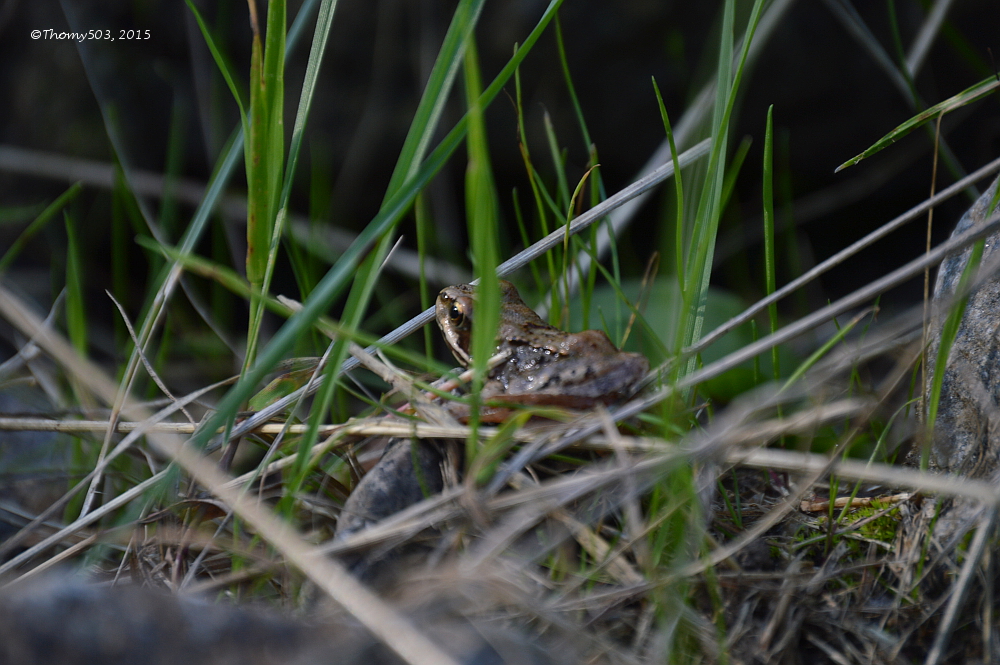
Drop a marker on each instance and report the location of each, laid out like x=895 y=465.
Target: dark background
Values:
x=831 y=101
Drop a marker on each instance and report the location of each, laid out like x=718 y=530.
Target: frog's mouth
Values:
x=463 y=358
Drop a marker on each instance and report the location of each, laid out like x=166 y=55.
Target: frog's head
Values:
x=453 y=312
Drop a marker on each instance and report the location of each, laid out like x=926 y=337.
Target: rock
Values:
x=64 y=620
x=967 y=431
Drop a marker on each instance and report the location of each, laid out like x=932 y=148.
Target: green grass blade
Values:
x=481 y=206
x=435 y=93
x=702 y=236
x=321 y=35
x=76 y=319
x=574 y=100
x=324 y=22
x=733 y=171
x=969 y=95
x=578 y=245
x=231 y=154
x=425 y=233
x=770 y=279
x=536 y=187
x=38 y=224
x=13 y=215
x=169 y=205
x=679 y=191
x=264 y=157
x=558 y=163
x=710 y=204
x=220 y=61
x=822 y=351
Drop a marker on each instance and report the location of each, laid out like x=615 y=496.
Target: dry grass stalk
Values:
x=574 y=539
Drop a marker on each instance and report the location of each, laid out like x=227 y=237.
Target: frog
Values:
x=544 y=365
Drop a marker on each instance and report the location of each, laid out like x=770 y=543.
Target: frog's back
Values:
x=569 y=369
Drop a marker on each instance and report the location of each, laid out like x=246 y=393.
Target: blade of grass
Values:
x=896 y=73
x=823 y=350
x=770 y=280
x=702 y=233
x=733 y=170
x=678 y=189
x=481 y=210
x=12 y=215
x=220 y=62
x=324 y=22
x=968 y=96
x=562 y=318
x=425 y=234
x=38 y=224
x=263 y=156
x=558 y=163
x=76 y=319
x=536 y=186
x=172 y=169
x=710 y=206
x=571 y=89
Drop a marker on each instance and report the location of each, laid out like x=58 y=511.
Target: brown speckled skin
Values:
x=547 y=366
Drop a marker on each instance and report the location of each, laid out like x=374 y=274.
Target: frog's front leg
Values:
x=408 y=472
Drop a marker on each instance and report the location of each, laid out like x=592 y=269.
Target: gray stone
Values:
x=967 y=431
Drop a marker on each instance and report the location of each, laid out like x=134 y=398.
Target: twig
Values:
x=30 y=349
x=858 y=502
x=972 y=560
x=369 y=427
x=85 y=521
x=95 y=482
x=383 y=621
x=122 y=446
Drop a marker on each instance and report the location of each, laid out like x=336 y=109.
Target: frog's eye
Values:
x=460 y=314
